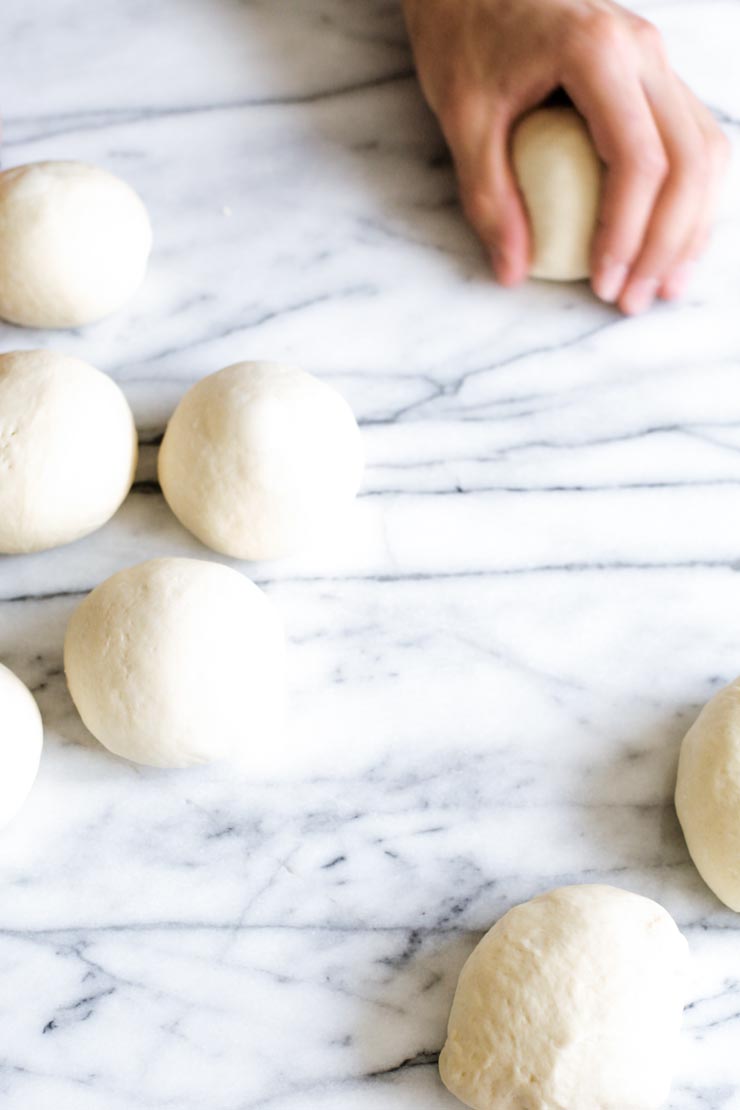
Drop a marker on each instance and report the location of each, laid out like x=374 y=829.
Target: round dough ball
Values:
x=260 y=459
x=572 y=1001
x=21 y=737
x=68 y=450
x=708 y=793
x=74 y=244
x=559 y=174
x=175 y=662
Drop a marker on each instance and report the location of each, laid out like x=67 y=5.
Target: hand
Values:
x=483 y=63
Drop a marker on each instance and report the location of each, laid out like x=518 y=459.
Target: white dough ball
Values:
x=175 y=662
x=708 y=793
x=21 y=737
x=68 y=450
x=259 y=460
x=74 y=244
x=559 y=174
x=572 y=1001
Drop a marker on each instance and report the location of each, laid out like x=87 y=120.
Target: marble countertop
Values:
x=493 y=666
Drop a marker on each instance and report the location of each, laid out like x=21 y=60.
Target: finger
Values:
x=676 y=218
x=604 y=84
x=717 y=148
x=490 y=196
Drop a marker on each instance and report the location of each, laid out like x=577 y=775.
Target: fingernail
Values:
x=676 y=284
x=639 y=296
x=609 y=280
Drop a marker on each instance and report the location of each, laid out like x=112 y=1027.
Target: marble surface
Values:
x=491 y=668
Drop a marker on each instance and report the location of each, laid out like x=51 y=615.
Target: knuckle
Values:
x=454 y=113
x=693 y=162
x=450 y=112
x=599 y=31
x=649 y=163
x=691 y=178
x=720 y=148
x=648 y=35
x=479 y=206
x=458 y=104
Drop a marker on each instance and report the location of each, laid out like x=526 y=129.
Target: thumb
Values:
x=490 y=196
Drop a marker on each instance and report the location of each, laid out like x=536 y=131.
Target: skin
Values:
x=483 y=63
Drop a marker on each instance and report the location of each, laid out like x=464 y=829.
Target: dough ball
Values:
x=67 y=450
x=21 y=735
x=572 y=1001
x=175 y=662
x=260 y=459
x=708 y=793
x=559 y=174
x=74 y=244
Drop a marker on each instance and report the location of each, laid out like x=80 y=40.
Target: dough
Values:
x=175 y=662
x=21 y=735
x=67 y=450
x=74 y=244
x=559 y=174
x=708 y=793
x=260 y=459
x=572 y=1001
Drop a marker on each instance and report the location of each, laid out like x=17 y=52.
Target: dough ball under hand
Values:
x=259 y=460
x=708 y=793
x=68 y=450
x=572 y=1001
x=74 y=244
x=559 y=175
x=21 y=738
x=175 y=662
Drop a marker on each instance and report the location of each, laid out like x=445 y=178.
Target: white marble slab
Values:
x=493 y=665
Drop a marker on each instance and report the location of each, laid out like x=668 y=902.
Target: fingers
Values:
x=478 y=138
x=664 y=157
x=676 y=215
x=715 y=157
x=604 y=84
x=681 y=206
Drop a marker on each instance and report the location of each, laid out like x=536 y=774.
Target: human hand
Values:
x=483 y=63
